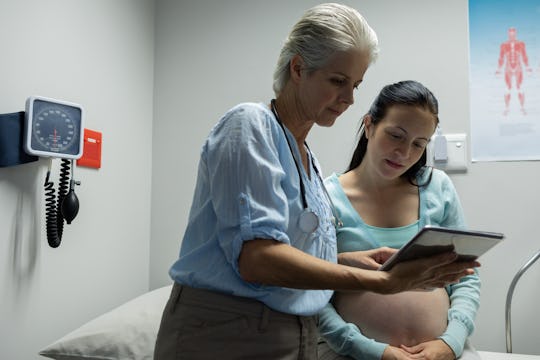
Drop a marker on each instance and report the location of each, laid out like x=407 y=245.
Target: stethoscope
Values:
x=308 y=221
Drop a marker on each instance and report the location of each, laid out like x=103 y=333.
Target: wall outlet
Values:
x=456 y=151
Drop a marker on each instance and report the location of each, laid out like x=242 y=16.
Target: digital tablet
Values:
x=432 y=240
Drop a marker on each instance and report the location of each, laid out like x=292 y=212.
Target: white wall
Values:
x=212 y=54
x=97 y=53
x=209 y=55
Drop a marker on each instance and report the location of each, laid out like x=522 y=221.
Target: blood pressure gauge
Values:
x=54 y=128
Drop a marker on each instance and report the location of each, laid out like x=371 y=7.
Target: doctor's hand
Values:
x=368 y=259
x=427 y=273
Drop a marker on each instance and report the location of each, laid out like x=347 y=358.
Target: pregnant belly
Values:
x=406 y=318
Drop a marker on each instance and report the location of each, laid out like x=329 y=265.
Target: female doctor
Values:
x=258 y=257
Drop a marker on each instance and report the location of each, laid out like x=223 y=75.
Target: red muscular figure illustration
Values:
x=512 y=55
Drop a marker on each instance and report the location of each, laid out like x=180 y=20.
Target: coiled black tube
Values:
x=54 y=217
x=50 y=213
x=63 y=187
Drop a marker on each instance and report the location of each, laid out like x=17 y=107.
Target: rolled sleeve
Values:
x=246 y=175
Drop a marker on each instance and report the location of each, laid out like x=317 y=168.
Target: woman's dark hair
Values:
x=407 y=92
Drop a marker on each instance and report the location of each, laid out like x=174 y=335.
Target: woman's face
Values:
x=326 y=93
x=397 y=142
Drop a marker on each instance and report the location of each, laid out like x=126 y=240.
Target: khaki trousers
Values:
x=205 y=325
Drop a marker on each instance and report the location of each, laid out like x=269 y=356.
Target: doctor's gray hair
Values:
x=324 y=30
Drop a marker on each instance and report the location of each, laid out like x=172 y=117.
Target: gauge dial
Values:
x=54 y=128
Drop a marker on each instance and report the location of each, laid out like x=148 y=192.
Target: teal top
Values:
x=391 y=237
x=439 y=206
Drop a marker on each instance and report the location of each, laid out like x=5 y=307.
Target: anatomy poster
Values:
x=504 y=39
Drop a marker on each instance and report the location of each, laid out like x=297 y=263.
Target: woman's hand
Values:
x=368 y=259
x=431 y=350
x=395 y=353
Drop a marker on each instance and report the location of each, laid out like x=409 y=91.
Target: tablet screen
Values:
x=432 y=240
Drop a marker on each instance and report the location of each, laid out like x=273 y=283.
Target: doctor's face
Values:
x=327 y=92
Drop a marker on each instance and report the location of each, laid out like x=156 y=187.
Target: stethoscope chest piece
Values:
x=308 y=221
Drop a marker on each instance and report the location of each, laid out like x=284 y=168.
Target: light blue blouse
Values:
x=439 y=206
x=248 y=187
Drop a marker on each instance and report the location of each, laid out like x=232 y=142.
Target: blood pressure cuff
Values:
x=11 y=140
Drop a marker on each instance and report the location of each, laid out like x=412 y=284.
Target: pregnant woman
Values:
x=384 y=198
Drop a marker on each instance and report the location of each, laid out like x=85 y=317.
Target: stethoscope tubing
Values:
x=308 y=221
